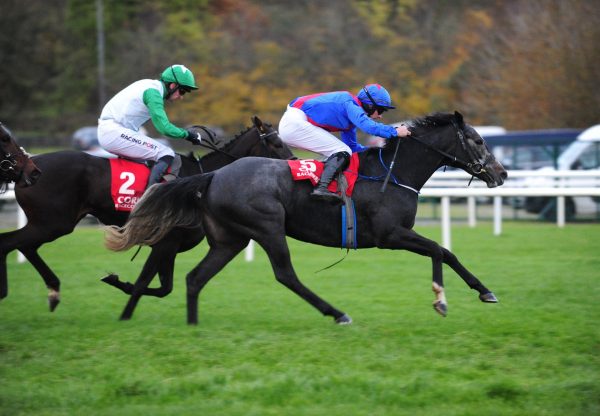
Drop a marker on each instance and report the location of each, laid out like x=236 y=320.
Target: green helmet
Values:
x=180 y=75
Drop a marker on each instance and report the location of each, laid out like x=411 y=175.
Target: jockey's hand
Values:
x=203 y=133
x=193 y=137
x=402 y=131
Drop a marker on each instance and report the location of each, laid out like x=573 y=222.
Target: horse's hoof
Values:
x=488 y=298
x=53 y=303
x=111 y=279
x=53 y=299
x=344 y=320
x=440 y=308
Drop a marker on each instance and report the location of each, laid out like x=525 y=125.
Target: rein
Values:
x=476 y=167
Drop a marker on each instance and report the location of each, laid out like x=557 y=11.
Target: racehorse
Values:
x=256 y=198
x=15 y=164
x=75 y=184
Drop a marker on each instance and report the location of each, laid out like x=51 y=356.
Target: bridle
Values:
x=475 y=167
x=8 y=162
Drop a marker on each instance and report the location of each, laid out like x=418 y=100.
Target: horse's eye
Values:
x=478 y=142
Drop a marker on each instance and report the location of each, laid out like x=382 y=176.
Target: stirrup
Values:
x=325 y=195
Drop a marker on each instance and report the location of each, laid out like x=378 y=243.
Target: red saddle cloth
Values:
x=312 y=169
x=128 y=182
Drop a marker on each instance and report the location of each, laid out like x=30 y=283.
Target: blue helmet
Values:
x=375 y=95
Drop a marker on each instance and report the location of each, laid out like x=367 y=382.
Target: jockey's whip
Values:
x=389 y=172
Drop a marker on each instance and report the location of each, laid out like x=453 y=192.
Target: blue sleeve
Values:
x=349 y=138
x=360 y=119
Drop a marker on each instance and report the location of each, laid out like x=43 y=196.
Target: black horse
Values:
x=257 y=199
x=75 y=184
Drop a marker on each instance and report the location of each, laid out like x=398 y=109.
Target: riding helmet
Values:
x=375 y=92
x=180 y=75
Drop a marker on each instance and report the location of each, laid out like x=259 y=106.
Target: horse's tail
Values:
x=162 y=208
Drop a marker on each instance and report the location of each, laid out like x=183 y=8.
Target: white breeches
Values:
x=296 y=131
x=129 y=143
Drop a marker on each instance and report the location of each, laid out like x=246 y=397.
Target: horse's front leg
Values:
x=407 y=239
x=485 y=295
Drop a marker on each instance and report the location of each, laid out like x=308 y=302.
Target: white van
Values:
x=583 y=153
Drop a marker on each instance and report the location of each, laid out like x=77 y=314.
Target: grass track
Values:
x=260 y=350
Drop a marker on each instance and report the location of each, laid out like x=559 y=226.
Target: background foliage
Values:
x=515 y=63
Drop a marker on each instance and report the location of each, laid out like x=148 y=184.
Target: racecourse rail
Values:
x=445 y=185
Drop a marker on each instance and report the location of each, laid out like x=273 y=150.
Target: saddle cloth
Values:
x=129 y=180
x=311 y=169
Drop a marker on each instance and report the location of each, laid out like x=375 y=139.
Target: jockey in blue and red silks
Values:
x=309 y=122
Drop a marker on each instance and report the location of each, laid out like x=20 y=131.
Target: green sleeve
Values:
x=156 y=106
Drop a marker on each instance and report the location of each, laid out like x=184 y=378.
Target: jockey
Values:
x=121 y=119
x=309 y=121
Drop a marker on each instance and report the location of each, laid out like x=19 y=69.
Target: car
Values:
x=85 y=139
x=582 y=154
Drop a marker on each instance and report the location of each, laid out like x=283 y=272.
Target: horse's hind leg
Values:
x=279 y=255
x=217 y=257
x=166 y=266
x=485 y=295
x=157 y=262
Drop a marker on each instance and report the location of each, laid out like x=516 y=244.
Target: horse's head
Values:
x=261 y=140
x=270 y=141
x=474 y=156
x=15 y=165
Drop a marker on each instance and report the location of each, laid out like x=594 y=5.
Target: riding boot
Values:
x=159 y=168
x=333 y=165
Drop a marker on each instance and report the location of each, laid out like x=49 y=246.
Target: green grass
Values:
x=261 y=350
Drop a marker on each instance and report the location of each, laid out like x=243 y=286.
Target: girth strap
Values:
x=348 y=215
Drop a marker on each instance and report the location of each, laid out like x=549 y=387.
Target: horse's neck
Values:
x=413 y=167
x=214 y=161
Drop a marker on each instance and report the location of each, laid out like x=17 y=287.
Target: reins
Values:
x=476 y=167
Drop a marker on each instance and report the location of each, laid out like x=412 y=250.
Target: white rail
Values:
x=446 y=185
x=454 y=184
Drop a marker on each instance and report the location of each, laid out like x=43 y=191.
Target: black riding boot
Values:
x=159 y=168
x=333 y=165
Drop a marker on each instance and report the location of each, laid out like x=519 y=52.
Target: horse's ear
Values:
x=459 y=118
x=258 y=123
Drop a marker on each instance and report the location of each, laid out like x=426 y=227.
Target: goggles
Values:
x=379 y=108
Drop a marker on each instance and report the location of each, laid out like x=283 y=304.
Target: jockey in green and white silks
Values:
x=121 y=119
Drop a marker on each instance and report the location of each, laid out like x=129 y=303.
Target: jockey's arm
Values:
x=155 y=103
x=361 y=120
x=349 y=138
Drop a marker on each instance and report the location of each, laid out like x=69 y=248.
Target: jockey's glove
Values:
x=193 y=137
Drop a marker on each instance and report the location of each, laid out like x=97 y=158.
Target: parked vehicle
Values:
x=530 y=149
x=86 y=140
x=583 y=153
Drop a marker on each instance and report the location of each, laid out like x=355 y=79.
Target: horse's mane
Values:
x=421 y=125
x=431 y=120
x=228 y=144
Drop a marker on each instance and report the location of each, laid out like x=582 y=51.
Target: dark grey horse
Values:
x=256 y=198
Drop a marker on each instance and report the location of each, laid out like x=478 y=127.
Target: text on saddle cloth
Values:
x=311 y=169
x=128 y=182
